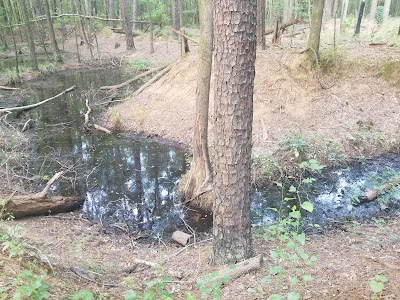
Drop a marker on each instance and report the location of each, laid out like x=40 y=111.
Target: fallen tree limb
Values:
x=39 y=103
x=151 y=81
x=101 y=128
x=145 y=262
x=122 y=31
x=185 y=36
x=236 y=271
x=29 y=205
x=140 y=76
x=377 y=191
x=282 y=26
x=39 y=204
x=7 y=88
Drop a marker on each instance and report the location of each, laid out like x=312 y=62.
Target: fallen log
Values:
x=140 y=76
x=101 y=128
x=185 y=36
x=282 y=26
x=377 y=191
x=28 y=205
x=151 y=81
x=39 y=204
x=7 y=88
x=122 y=31
x=39 y=103
x=236 y=271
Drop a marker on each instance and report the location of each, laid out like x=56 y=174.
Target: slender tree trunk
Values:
x=372 y=12
x=57 y=53
x=176 y=23
x=63 y=28
x=111 y=12
x=199 y=181
x=29 y=33
x=327 y=15
x=235 y=53
x=151 y=28
x=13 y=37
x=345 y=7
x=315 y=29
x=398 y=33
x=386 y=10
x=261 y=24
x=130 y=46
x=135 y=13
x=360 y=15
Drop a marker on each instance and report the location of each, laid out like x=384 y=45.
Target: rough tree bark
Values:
x=235 y=53
x=56 y=50
x=386 y=10
x=360 y=15
x=199 y=182
x=127 y=22
x=315 y=29
x=261 y=24
x=29 y=33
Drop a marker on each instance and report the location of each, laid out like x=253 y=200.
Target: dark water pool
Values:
x=130 y=182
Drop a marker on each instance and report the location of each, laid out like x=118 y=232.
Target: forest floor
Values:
x=349 y=108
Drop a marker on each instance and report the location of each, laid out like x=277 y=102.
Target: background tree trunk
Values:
x=135 y=13
x=176 y=23
x=151 y=28
x=199 y=181
x=315 y=29
x=372 y=12
x=130 y=46
x=345 y=7
x=386 y=10
x=235 y=53
x=261 y=24
x=360 y=15
x=29 y=34
x=52 y=34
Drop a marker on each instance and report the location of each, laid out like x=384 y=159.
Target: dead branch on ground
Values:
x=7 y=88
x=237 y=270
x=140 y=76
x=151 y=81
x=39 y=103
x=282 y=26
x=185 y=36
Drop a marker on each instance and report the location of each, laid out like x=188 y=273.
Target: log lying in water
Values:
x=377 y=191
x=39 y=204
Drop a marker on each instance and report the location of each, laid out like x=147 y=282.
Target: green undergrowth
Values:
x=294 y=148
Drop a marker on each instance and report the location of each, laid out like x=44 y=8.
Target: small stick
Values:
x=44 y=192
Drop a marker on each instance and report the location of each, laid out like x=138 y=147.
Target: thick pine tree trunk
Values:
x=315 y=29
x=199 y=183
x=29 y=33
x=261 y=24
x=235 y=53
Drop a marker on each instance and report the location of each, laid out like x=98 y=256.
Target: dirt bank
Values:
x=351 y=105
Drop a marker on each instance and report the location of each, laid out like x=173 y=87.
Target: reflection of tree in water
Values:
x=127 y=181
x=135 y=185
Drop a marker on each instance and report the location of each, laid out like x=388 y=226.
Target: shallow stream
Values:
x=130 y=182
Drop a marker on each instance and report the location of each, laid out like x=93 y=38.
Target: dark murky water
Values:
x=131 y=181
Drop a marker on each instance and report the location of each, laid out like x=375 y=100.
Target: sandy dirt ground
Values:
x=286 y=101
